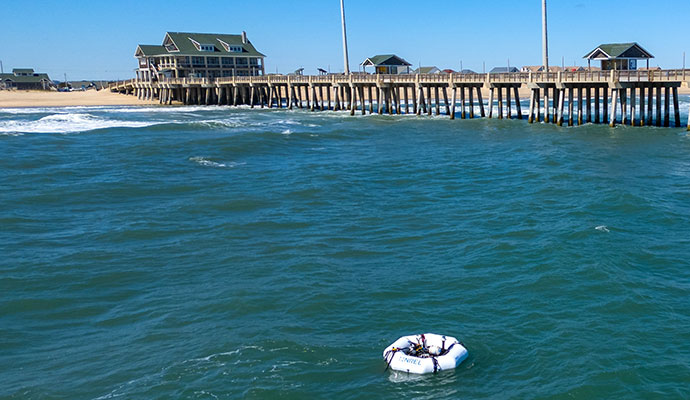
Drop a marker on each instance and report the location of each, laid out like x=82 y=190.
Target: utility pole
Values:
x=347 y=60
x=2 y=70
x=545 y=37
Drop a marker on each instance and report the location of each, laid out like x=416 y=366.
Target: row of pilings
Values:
x=636 y=104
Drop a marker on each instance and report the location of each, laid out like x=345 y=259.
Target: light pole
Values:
x=544 y=37
x=347 y=60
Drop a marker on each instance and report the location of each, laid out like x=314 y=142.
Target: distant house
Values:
x=427 y=70
x=618 y=56
x=203 y=55
x=503 y=70
x=387 y=64
x=649 y=69
x=25 y=79
x=448 y=71
x=467 y=71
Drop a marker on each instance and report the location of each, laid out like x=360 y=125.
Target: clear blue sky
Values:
x=96 y=39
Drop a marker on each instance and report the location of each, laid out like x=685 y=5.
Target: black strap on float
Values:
x=436 y=366
x=443 y=345
x=390 y=360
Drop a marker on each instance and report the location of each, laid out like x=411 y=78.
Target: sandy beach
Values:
x=30 y=98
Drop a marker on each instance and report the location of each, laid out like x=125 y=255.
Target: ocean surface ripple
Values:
x=219 y=253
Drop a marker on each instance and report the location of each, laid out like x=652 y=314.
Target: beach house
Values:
x=387 y=64
x=427 y=70
x=25 y=79
x=200 y=55
x=618 y=56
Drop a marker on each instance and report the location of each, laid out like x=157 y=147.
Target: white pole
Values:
x=347 y=60
x=545 y=37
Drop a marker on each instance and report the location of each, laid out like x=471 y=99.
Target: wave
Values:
x=68 y=123
x=210 y=163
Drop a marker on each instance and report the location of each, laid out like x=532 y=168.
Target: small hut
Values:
x=618 y=56
x=387 y=64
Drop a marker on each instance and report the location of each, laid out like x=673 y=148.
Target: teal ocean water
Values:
x=218 y=253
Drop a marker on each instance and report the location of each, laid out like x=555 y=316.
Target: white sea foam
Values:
x=209 y=163
x=602 y=228
x=68 y=123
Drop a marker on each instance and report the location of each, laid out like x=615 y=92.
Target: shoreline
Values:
x=39 y=98
x=29 y=98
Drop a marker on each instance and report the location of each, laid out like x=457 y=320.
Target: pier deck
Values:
x=429 y=94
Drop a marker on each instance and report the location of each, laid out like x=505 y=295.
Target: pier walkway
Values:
x=641 y=97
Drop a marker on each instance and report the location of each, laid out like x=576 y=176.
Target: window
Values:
x=198 y=61
x=207 y=47
x=227 y=73
x=235 y=49
x=254 y=61
x=241 y=61
x=228 y=61
x=212 y=61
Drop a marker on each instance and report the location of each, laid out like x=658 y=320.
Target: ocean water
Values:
x=219 y=253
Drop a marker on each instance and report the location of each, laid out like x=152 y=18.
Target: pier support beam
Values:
x=438 y=101
x=500 y=103
x=463 y=113
x=547 y=109
x=658 y=106
x=517 y=102
x=530 y=116
x=667 y=106
x=614 y=100
x=642 y=108
x=571 y=119
x=445 y=100
x=580 y=106
x=606 y=105
x=407 y=100
x=491 y=103
x=428 y=100
x=589 y=105
x=632 y=106
x=561 y=97
x=624 y=106
x=480 y=101
x=597 y=106
x=537 y=102
x=509 y=107
x=676 y=110
x=650 y=105
x=452 y=106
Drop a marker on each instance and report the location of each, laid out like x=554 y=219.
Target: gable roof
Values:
x=187 y=43
x=184 y=41
x=503 y=70
x=34 y=78
x=618 y=50
x=23 y=71
x=384 y=59
x=427 y=70
x=147 y=50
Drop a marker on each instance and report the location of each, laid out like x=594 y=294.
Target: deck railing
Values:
x=670 y=75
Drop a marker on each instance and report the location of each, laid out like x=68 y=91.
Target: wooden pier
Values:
x=634 y=98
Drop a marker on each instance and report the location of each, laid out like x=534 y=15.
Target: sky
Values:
x=96 y=39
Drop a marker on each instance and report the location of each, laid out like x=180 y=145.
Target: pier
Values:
x=635 y=98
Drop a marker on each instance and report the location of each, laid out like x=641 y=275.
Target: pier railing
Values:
x=514 y=78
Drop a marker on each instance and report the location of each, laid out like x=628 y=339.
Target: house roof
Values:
x=618 y=50
x=385 y=60
x=427 y=70
x=467 y=71
x=503 y=70
x=187 y=43
x=34 y=78
x=147 y=50
x=23 y=71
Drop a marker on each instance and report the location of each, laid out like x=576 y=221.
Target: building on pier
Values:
x=25 y=79
x=199 y=55
x=387 y=64
x=618 y=56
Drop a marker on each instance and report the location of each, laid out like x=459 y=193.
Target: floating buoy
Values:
x=424 y=354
